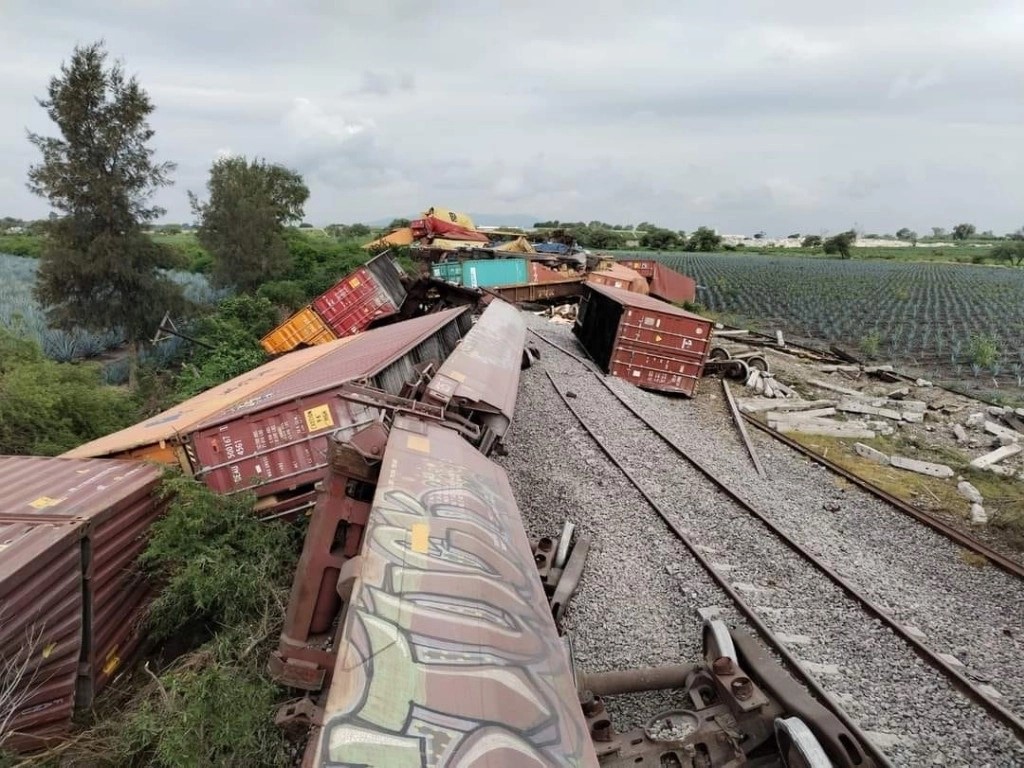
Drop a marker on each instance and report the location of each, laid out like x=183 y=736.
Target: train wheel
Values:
x=798 y=746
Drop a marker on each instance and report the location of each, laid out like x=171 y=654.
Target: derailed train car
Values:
x=434 y=643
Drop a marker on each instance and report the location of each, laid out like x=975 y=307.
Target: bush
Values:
x=47 y=408
x=870 y=344
x=217 y=564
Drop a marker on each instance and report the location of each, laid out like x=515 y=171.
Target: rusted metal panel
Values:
x=617 y=276
x=645 y=267
x=41 y=624
x=369 y=293
x=274 y=442
x=542 y=291
x=481 y=377
x=109 y=506
x=671 y=286
x=448 y=653
x=154 y=438
x=645 y=341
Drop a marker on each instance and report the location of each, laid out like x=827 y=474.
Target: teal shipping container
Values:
x=449 y=271
x=483 y=273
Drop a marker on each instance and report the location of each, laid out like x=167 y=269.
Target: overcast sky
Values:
x=786 y=116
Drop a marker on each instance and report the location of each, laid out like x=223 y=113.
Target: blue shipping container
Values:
x=449 y=271
x=491 y=273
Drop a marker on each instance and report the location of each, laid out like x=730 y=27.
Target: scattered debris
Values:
x=921 y=467
x=960 y=433
x=969 y=492
x=978 y=515
x=989 y=459
x=873 y=454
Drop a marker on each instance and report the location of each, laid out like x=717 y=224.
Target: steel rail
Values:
x=1008 y=564
x=745 y=608
x=959 y=680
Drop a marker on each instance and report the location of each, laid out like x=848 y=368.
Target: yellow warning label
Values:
x=657 y=337
x=48 y=650
x=355 y=282
x=420 y=537
x=318 y=418
x=113 y=662
x=418 y=443
x=44 y=501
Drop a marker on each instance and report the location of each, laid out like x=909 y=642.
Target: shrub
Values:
x=47 y=408
x=870 y=344
x=216 y=562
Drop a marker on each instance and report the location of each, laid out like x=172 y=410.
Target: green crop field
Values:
x=964 y=323
x=22 y=315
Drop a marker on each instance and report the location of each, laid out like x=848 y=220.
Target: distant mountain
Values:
x=517 y=220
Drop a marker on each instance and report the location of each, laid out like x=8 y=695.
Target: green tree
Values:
x=840 y=244
x=938 y=231
x=97 y=269
x=1011 y=252
x=398 y=223
x=242 y=224
x=704 y=239
x=659 y=239
x=963 y=231
x=811 y=241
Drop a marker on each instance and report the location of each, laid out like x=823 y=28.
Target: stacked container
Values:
x=368 y=294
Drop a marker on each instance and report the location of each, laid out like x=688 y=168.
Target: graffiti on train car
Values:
x=449 y=656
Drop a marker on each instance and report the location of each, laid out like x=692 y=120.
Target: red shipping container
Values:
x=642 y=340
x=372 y=292
x=84 y=521
x=275 y=442
x=669 y=285
x=644 y=266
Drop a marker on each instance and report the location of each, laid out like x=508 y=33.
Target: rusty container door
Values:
x=661 y=351
x=40 y=625
x=360 y=298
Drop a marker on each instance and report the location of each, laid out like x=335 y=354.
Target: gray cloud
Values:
x=787 y=116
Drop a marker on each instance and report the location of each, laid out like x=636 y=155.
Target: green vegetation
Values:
x=97 y=270
x=22 y=245
x=242 y=224
x=188 y=253
x=47 y=408
x=840 y=245
x=924 y=316
x=225 y=578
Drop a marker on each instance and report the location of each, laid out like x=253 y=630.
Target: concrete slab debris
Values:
x=755 y=406
x=912 y=417
x=975 y=420
x=709 y=612
x=921 y=467
x=852 y=406
x=1003 y=432
x=995 y=410
x=852 y=430
x=836 y=388
x=870 y=453
x=996 y=456
x=969 y=492
x=960 y=433
x=797 y=415
x=924 y=383
x=978 y=515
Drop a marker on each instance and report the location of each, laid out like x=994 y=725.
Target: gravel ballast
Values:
x=636 y=605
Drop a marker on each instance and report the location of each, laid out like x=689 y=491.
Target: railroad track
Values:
x=813 y=617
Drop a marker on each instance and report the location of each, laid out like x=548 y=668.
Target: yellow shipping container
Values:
x=303 y=328
x=452 y=217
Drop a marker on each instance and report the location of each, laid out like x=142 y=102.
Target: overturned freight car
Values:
x=70 y=595
x=266 y=431
x=645 y=341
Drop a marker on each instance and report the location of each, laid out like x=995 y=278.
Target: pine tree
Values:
x=98 y=270
x=242 y=224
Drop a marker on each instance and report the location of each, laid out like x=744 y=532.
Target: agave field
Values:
x=20 y=314
x=961 y=322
